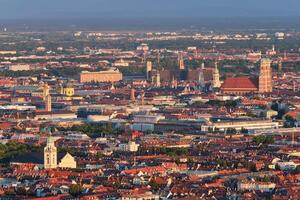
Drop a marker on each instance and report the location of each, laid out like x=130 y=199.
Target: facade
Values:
x=68 y=161
x=50 y=157
x=48 y=103
x=57 y=115
x=19 y=67
x=102 y=76
x=239 y=125
x=68 y=90
x=244 y=85
x=265 y=76
x=46 y=90
x=50 y=154
x=148 y=69
x=130 y=147
x=261 y=186
x=216 y=77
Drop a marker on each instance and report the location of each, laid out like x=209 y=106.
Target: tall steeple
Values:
x=48 y=103
x=265 y=76
x=201 y=80
x=156 y=79
x=148 y=69
x=180 y=61
x=46 y=92
x=280 y=64
x=216 y=77
x=132 y=94
x=50 y=154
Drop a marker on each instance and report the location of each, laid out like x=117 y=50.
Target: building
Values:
x=131 y=146
x=46 y=90
x=180 y=61
x=68 y=90
x=54 y=115
x=48 y=103
x=156 y=79
x=68 y=161
x=260 y=186
x=50 y=154
x=112 y=75
x=216 y=77
x=244 y=85
x=19 y=67
x=241 y=124
x=148 y=69
x=50 y=157
x=265 y=76
x=240 y=85
x=132 y=94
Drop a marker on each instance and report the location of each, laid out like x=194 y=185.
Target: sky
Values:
x=68 y=9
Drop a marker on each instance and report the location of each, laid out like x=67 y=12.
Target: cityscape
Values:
x=147 y=112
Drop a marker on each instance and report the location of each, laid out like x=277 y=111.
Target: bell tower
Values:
x=216 y=77
x=50 y=154
x=265 y=76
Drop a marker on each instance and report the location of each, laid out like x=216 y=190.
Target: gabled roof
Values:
x=243 y=83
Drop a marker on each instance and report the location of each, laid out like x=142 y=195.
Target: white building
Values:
x=260 y=186
x=19 y=67
x=131 y=146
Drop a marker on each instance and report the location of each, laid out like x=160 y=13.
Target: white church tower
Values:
x=50 y=154
x=216 y=77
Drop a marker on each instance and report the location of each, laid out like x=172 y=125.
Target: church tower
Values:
x=132 y=94
x=201 y=80
x=48 y=103
x=50 y=154
x=180 y=61
x=156 y=79
x=216 y=77
x=69 y=90
x=279 y=64
x=148 y=69
x=265 y=76
x=46 y=89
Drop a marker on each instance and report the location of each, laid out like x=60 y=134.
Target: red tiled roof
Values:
x=240 y=83
x=5 y=125
x=292 y=114
x=148 y=170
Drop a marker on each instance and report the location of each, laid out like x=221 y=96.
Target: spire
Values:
x=216 y=77
x=180 y=61
x=46 y=89
x=203 y=66
x=48 y=103
x=132 y=94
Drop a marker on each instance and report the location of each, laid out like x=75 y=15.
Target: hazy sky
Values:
x=49 y=9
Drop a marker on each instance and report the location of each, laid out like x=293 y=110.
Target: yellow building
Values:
x=50 y=157
x=68 y=90
x=46 y=90
x=112 y=75
x=68 y=161
x=50 y=154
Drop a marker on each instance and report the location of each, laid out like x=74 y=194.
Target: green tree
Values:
x=75 y=190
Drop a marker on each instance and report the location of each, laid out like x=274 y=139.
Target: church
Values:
x=49 y=159
x=244 y=85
